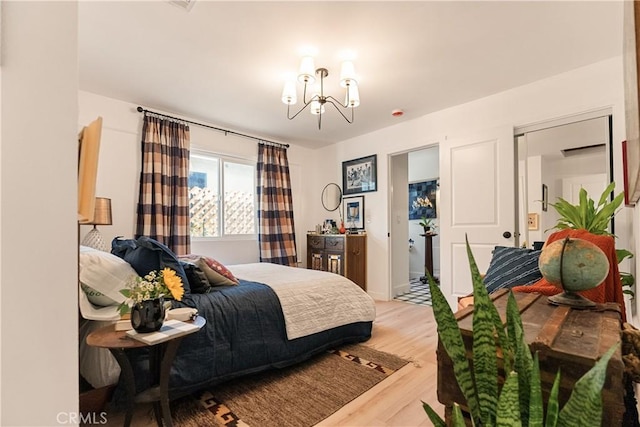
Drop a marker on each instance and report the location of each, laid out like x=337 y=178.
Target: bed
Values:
x=274 y=317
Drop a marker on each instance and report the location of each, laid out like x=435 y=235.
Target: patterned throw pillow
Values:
x=217 y=274
x=512 y=267
x=102 y=275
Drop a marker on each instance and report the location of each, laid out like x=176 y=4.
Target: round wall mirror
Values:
x=331 y=196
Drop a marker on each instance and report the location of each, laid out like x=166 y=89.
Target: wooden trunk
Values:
x=569 y=339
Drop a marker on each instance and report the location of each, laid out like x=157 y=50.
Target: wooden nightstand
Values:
x=161 y=358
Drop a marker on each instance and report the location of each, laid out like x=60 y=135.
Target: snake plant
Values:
x=519 y=401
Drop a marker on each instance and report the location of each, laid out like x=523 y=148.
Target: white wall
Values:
x=119 y=172
x=589 y=88
x=38 y=223
x=423 y=166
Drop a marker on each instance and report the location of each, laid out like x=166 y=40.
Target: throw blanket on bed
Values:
x=311 y=300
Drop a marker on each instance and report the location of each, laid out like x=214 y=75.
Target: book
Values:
x=170 y=329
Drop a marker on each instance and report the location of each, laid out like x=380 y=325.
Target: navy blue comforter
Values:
x=245 y=333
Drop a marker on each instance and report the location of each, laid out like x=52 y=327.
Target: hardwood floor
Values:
x=400 y=328
x=409 y=331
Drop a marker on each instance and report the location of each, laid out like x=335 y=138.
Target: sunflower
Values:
x=173 y=283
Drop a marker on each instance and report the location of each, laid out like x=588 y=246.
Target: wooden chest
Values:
x=565 y=338
x=343 y=254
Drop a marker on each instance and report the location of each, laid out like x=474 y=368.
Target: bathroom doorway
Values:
x=414 y=196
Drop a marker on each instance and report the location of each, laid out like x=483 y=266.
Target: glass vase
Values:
x=148 y=315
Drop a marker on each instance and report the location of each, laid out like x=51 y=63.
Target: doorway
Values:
x=413 y=174
x=557 y=161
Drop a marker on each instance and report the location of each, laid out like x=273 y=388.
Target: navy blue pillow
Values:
x=146 y=254
x=512 y=267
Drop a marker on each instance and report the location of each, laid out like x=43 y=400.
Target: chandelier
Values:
x=318 y=100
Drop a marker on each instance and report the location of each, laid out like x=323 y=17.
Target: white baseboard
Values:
x=378 y=296
x=400 y=289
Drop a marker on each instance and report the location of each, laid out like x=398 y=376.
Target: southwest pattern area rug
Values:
x=298 y=396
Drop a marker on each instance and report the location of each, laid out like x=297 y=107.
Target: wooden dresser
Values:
x=344 y=254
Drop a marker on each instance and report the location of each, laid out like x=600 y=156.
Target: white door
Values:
x=477 y=199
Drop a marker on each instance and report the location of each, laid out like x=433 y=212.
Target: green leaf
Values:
x=451 y=338
x=433 y=416
x=508 y=405
x=456 y=417
x=553 y=405
x=523 y=365
x=126 y=292
x=123 y=309
x=485 y=365
x=622 y=254
x=605 y=194
x=584 y=407
x=536 y=407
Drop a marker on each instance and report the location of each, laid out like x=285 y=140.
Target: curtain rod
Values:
x=226 y=131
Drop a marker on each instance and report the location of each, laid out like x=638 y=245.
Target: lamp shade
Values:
x=307 y=71
x=316 y=108
x=347 y=74
x=353 y=96
x=102 y=214
x=289 y=93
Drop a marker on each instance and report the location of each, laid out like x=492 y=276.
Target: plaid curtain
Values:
x=163 y=203
x=275 y=207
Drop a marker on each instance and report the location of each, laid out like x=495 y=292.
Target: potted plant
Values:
x=427 y=224
x=519 y=400
x=145 y=298
x=595 y=219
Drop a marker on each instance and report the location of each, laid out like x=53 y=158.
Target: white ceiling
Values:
x=225 y=63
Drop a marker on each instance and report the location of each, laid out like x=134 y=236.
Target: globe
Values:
x=573 y=265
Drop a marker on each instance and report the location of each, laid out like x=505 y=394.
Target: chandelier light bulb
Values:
x=307 y=71
x=316 y=108
x=347 y=74
x=353 y=96
x=289 y=93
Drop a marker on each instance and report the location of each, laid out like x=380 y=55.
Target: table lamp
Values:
x=102 y=216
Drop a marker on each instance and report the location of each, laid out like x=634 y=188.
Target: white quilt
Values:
x=312 y=301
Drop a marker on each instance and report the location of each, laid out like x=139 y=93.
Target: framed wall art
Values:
x=422 y=199
x=353 y=212
x=360 y=175
x=88 y=151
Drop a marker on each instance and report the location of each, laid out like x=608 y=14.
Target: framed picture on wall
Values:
x=422 y=199
x=353 y=212
x=360 y=175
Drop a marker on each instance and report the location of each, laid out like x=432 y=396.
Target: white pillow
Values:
x=104 y=273
x=97 y=298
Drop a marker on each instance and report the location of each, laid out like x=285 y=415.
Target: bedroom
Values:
x=592 y=86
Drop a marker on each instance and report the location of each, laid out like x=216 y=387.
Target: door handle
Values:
x=506 y=234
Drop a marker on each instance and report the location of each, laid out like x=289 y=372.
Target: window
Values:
x=221 y=196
